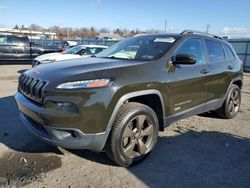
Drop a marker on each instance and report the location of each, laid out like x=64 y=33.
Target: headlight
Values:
x=84 y=84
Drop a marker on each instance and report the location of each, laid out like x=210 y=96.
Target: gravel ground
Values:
x=201 y=151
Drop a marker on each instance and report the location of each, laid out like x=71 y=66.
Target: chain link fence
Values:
x=47 y=42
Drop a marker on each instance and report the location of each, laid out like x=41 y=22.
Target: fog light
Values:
x=66 y=107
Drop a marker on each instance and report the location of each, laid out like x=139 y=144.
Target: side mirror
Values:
x=184 y=59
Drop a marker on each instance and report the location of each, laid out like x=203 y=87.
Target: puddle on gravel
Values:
x=23 y=168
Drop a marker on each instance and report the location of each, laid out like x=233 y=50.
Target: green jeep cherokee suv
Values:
x=120 y=99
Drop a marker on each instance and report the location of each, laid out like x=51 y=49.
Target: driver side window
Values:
x=192 y=47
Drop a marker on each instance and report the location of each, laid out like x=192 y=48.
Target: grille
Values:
x=32 y=88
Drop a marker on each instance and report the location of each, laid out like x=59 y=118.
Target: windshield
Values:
x=74 y=50
x=145 y=47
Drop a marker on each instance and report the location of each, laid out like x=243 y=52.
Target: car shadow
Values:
x=211 y=114
x=93 y=156
x=197 y=159
x=14 y=135
x=15 y=62
x=191 y=159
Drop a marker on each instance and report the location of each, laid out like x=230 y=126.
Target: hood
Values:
x=55 y=57
x=77 y=69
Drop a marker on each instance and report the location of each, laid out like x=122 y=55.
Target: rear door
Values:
x=188 y=86
x=22 y=48
x=219 y=77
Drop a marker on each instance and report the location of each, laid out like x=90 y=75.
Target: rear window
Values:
x=215 y=51
x=229 y=53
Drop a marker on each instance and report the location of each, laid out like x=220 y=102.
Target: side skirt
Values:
x=206 y=107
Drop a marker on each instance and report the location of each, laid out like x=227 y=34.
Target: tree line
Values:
x=84 y=32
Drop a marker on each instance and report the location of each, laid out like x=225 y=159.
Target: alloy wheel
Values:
x=234 y=102
x=137 y=136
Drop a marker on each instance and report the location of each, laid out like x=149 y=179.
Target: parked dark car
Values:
x=18 y=49
x=120 y=100
x=63 y=45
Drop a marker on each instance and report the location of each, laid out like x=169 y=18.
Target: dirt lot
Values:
x=201 y=151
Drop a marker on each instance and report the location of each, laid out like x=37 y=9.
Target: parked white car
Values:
x=79 y=51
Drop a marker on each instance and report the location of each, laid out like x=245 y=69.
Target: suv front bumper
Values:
x=71 y=138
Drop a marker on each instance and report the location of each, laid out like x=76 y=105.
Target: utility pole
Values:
x=68 y=33
x=165 y=24
x=207 y=29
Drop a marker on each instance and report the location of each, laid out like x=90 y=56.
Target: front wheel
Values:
x=134 y=134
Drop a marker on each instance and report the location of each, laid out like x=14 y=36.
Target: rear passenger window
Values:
x=215 y=52
x=229 y=54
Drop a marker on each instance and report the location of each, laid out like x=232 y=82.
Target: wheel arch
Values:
x=237 y=81
x=144 y=97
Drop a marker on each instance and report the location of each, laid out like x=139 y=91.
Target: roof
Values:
x=159 y=35
x=177 y=35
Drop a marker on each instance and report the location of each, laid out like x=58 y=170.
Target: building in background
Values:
x=30 y=33
x=109 y=36
x=242 y=48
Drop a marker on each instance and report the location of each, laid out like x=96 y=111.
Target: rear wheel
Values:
x=231 y=105
x=134 y=134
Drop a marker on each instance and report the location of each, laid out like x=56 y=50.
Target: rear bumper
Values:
x=34 y=118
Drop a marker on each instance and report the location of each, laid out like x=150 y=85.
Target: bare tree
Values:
x=104 y=30
x=16 y=27
x=36 y=27
x=85 y=32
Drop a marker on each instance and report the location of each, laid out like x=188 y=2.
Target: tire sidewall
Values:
x=145 y=110
x=232 y=88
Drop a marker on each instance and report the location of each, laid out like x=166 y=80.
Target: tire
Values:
x=231 y=106
x=133 y=135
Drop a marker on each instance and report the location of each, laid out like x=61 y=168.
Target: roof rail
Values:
x=201 y=33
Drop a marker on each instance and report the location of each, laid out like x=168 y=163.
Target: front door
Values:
x=188 y=86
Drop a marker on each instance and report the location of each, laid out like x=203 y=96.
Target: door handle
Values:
x=204 y=71
x=230 y=67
